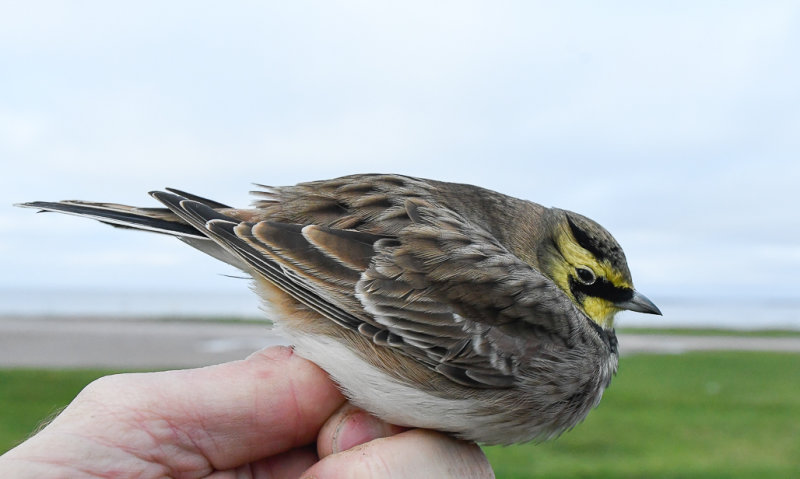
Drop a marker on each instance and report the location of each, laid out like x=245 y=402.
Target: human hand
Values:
x=272 y=415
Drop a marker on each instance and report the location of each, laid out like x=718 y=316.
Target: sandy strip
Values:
x=127 y=343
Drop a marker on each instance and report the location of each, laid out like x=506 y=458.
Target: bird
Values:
x=431 y=304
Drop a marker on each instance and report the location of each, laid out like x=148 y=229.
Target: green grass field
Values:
x=699 y=415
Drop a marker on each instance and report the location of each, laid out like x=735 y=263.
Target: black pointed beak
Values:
x=639 y=303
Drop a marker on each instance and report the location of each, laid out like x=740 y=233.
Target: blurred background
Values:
x=676 y=125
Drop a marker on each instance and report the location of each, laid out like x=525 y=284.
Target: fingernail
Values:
x=357 y=428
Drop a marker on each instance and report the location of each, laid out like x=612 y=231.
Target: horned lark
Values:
x=432 y=304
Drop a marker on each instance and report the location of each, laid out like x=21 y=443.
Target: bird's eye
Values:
x=586 y=276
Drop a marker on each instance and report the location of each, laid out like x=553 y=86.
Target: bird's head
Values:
x=585 y=261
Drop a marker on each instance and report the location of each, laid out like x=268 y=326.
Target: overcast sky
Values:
x=674 y=124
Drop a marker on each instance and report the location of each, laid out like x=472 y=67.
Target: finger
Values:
x=349 y=427
x=412 y=454
x=288 y=464
x=228 y=415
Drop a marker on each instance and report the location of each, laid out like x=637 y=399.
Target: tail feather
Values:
x=157 y=220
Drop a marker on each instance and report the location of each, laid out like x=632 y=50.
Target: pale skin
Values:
x=272 y=415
